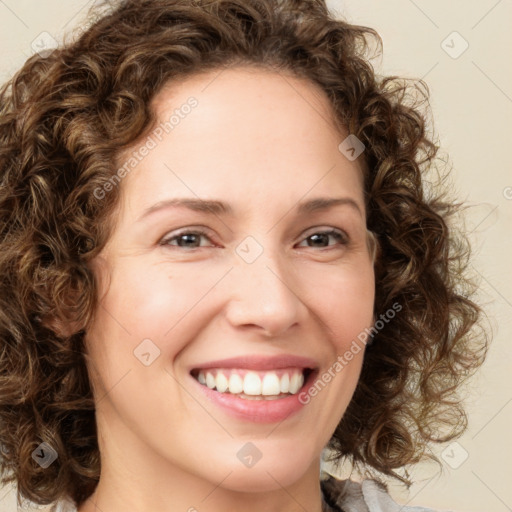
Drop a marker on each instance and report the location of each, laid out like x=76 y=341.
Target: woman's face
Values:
x=262 y=284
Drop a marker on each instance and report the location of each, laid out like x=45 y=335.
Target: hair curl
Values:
x=65 y=117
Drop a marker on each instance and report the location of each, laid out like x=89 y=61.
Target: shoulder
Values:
x=367 y=496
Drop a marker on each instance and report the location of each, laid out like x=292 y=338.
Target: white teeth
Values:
x=221 y=383
x=251 y=383
x=296 y=383
x=285 y=383
x=270 y=385
x=236 y=384
x=210 y=380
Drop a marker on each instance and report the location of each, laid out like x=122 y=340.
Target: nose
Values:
x=264 y=297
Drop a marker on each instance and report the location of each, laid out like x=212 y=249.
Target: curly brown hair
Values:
x=64 y=120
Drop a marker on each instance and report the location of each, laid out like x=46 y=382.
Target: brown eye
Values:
x=321 y=238
x=189 y=239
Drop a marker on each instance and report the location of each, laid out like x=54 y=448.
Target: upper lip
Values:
x=259 y=362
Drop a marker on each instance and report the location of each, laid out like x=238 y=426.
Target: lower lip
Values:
x=258 y=411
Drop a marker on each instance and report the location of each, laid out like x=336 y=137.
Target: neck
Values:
x=185 y=492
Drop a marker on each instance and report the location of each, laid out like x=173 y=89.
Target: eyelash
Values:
x=342 y=237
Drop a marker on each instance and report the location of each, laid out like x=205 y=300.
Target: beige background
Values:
x=471 y=97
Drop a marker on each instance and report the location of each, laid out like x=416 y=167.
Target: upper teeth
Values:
x=237 y=381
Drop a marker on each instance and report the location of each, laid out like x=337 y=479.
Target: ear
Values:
x=373 y=246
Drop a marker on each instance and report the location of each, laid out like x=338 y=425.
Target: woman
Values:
x=221 y=261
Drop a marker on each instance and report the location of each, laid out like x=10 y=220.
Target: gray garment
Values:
x=63 y=506
x=338 y=496
x=367 y=496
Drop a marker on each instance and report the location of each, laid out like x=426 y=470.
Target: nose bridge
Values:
x=262 y=293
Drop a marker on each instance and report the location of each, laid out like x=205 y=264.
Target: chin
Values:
x=274 y=470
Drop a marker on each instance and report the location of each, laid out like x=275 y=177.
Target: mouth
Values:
x=251 y=384
x=257 y=388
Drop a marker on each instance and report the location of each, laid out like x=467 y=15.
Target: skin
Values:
x=261 y=141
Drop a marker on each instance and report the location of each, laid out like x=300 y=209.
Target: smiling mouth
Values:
x=252 y=384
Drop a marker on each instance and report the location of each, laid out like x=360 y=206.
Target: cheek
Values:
x=151 y=301
x=155 y=300
x=162 y=299
x=344 y=300
x=141 y=304
x=165 y=303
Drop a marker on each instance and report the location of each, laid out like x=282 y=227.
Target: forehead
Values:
x=251 y=131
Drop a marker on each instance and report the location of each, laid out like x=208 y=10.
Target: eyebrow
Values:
x=216 y=207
